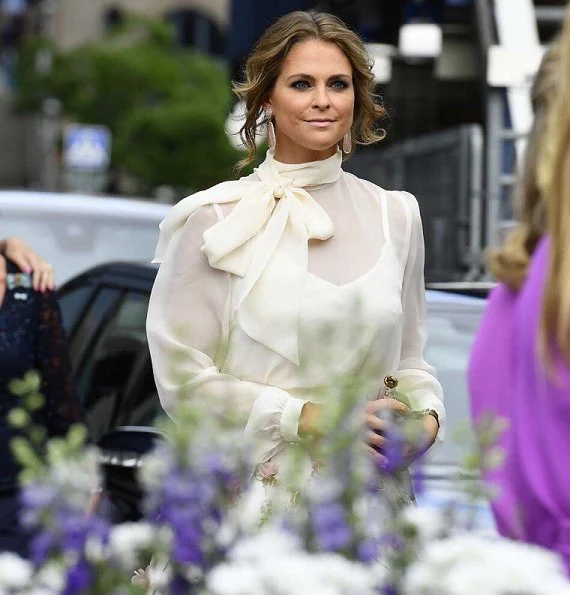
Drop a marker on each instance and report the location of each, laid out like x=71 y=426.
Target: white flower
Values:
x=50 y=580
x=272 y=562
x=270 y=541
x=235 y=579
x=15 y=572
x=429 y=523
x=75 y=478
x=127 y=540
x=468 y=564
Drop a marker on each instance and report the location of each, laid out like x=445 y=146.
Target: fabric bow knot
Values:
x=264 y=242
x=281 y=187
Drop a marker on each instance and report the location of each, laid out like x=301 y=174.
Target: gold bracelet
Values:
x=419 y=414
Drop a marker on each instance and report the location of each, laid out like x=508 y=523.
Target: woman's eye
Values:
x=300 y=85
x=339 y=85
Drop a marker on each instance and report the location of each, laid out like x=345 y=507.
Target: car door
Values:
x=112 y=356
x=104 y=312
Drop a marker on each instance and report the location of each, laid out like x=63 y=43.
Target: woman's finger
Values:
x=43 y=277
x=380 y=459
x=374 y=439
x=375 y=423
x=393 y=405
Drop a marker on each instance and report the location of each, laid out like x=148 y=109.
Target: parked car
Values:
x=104 y=311
x=75 y=232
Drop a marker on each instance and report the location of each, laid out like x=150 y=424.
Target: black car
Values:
x=104 y=312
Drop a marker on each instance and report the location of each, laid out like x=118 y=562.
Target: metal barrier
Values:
x=444 y=170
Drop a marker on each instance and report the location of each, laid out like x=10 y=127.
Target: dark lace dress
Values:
x=31 y=338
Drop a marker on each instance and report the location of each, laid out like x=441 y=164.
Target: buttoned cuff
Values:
x=290 y=419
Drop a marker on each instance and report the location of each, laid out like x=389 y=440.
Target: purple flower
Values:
x=331 y=528
x=35 y=499
x=79 y=578
x=38 y=496
x=40 y=547
x=418 y=479
x=179 y=585
x=188 y=551
x=368 y=550
x=394 y=541
x=214 y=465
x=396 y=447
x=76 y=528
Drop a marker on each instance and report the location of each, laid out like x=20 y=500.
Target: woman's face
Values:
x=312 y=102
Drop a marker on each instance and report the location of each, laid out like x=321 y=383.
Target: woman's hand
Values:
x=375 y=429
x=311 y=420
x=375 y=426
x=29 y=261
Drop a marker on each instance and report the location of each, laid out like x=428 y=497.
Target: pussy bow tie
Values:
x=264 y=241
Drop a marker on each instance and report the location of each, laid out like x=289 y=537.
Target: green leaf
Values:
x=76 y=436
x=34 y=401
x=25 y=454
x=33 y=380
x=18 y=418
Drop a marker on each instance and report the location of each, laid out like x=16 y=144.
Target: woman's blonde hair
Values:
x=509 y=264
x=265 y=62
x=554 y=184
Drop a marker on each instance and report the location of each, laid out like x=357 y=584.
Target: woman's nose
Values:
x=321 y=98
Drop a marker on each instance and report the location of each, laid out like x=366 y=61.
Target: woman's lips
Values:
x=320 y=123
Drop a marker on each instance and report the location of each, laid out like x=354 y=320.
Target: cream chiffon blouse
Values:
x=344 y=300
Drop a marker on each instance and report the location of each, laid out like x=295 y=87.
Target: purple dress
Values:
x=507 y=378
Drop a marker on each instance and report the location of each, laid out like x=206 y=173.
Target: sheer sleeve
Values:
x=188 y=328
x=416 y=378
x=62 y=408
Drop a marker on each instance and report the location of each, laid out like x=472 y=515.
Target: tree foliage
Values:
x=165 y=106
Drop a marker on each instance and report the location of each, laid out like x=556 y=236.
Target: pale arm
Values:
x=417 y=379
x=188 y=327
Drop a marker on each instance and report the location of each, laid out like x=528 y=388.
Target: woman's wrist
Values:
x=310 y=420
x=431 y=428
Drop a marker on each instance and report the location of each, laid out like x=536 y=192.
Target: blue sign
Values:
x=86 y=147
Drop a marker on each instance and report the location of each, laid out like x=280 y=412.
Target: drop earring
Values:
x=270 y=128
x=347 y=143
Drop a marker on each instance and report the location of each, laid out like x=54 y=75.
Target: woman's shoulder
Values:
x=398 y=202
x=212 y=201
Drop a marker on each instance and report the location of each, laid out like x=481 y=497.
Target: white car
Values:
x=452 y=321
x=75 y=232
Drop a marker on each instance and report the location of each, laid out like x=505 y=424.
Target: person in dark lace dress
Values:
x=31 y=338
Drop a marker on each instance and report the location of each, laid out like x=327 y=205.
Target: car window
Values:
x=111 y=360
x=451 y=331
x=141 y=405
x=72 y=302
x=97 y=310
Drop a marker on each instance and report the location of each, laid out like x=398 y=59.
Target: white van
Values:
x=75 y=231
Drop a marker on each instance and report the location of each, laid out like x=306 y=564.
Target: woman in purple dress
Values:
x=520 y=365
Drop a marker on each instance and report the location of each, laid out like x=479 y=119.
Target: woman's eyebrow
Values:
x=312 y=78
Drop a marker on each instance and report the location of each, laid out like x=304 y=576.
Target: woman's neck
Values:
x=297 y=155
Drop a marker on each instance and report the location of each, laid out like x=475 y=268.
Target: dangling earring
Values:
x=270 y=128
x=347 y=143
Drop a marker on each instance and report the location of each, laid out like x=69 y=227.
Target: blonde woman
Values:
x=520 y=366
x=255 y=272
x=509 y=263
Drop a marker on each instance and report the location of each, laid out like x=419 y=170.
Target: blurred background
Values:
x=132 y=98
